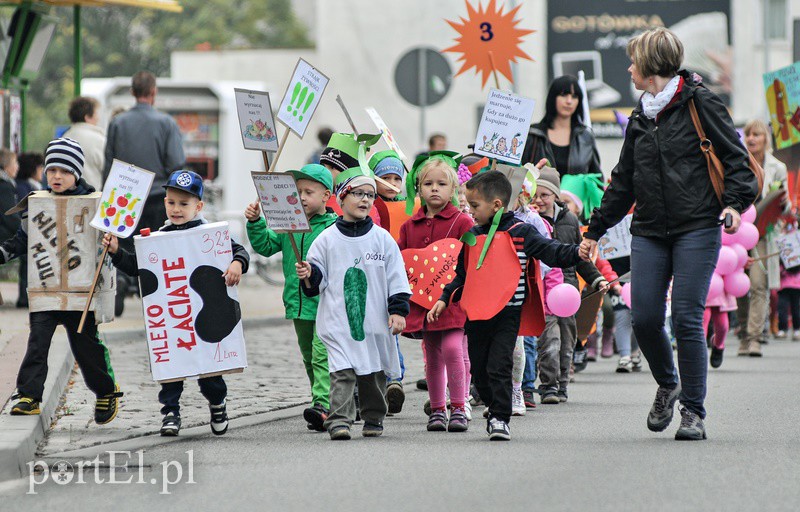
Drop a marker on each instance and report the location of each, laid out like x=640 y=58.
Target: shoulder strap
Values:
x=715 y=171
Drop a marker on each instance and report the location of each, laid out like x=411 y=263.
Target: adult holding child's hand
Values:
x=675 y=228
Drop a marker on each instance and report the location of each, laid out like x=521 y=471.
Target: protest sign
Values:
x=385 y=132
x=280 y=202
x=192 y=319
x=302 y=97
x=124 y=194
x=783 y=99
x=255 y=120
x=789 y=247
x=616 y=243
x=504 y=126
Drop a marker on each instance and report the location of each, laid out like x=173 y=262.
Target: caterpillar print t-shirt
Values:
x=359 y=274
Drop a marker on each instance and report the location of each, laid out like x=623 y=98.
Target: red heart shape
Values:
x=430 y=269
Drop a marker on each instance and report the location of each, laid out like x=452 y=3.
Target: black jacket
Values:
x=583 y=156
x=9 y=224
x=567 y=230
x=662 y=169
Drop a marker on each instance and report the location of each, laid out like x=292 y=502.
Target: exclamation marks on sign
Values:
x=301 y=95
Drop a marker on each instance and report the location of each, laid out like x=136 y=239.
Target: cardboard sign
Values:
x=192 y=320
x=302 y=97
x=516 y=175
x=124 y=194
x=385 y=132
x=63 y=254
x=616 y=243
x=504 y=126
x=789 y=246
x=280 y=202
x=430 y=269
x=783 y=99
x=255 y=120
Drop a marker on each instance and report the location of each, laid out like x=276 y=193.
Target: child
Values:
x=492 y=341
x=341 y=155
x=184 y=202
x=444 y=343
x=717 y=312
x=358 y=272
x=388 y=166
x=63 y=168
x=315 y=185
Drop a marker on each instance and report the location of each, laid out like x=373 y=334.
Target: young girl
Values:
x=789 y=301
x=717 y=311
x=435 y=179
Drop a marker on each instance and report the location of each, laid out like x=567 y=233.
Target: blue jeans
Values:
x=402 y=366
x=529 y=375
x=689 y=260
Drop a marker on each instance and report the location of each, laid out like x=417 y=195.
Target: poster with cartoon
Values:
x=504 y=126
x=124 y=194
x=302 y=97
x=789 y=247
x=386 y=133
x=616 y=243
x=255 y=120
x=192 y=320
x=280 y=202
x=782 y=87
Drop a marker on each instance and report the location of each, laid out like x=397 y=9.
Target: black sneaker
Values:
x=395 y=397
x=371 y=429
x=562 y=395
x=106 y=406
x=716 y=357
x=663 y=408
x=26 y=406
x=498 y=430
x=219 y=418
x=340 y=433
x=422 y=384
x=579 y=360
x=170 y=425
x=316 y=416
x=692 y=428
x=529 y=399
x=550 y=396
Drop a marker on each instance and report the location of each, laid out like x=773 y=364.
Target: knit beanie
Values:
x=65 y=153
x=549 y=179
x=387 y=162
x=354 y=180
x=341 y=153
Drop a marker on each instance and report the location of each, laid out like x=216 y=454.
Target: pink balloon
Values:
x=726 y=261
x=564 y=300
x=729 y=240
x=741 y=255
x=626 y=294
x=749 y=215
x=747 y=235
x=737 y=284
x=716 y=288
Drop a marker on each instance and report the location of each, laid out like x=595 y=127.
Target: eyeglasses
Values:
x=544 y=195
x=360 y=194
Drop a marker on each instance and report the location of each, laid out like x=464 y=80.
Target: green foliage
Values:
x=119 y=41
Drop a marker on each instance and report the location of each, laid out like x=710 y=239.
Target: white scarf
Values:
x=652 y=105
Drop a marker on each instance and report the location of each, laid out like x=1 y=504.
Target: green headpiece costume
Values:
x=587 y=187
x=451 y=158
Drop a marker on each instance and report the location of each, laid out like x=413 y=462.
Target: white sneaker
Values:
x=468 y=410
x=517 y=403
x=625 y=365
x=796 y=335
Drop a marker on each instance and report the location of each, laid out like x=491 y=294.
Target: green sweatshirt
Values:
x=267 y=242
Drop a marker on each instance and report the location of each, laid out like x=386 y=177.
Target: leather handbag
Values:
x=715 y=169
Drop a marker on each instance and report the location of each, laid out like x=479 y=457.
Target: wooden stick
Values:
x=623 y=276
x=346 y=114
x=298 y=256
x=281 y=145
x=494 y=70
x=266 y=161
x=768 y=256
x=91 y=289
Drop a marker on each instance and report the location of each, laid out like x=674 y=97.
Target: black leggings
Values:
x=789 y=300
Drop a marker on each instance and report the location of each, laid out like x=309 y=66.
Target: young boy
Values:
x=358 y=272
x=183 y=203
x=63 y=168
x=341 y=155
x=315 y=185
x=388 y=166
x=492 y=341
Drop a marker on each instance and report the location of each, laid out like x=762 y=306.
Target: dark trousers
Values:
x=213 y=389
x=90 y=353
x=689 y=260
x=491 y=356
x=789 y=301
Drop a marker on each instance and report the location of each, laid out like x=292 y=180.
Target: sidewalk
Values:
x=69 y=417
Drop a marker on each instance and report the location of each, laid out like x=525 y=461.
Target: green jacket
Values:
x=267 y=242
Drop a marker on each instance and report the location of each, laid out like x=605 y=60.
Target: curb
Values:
x=247 y=323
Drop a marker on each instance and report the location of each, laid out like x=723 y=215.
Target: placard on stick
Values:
x=616 y=243
x=504 y=126
x=302 y=96
x=280 y=202
x=256 y=123
x=385 y=132
x=121 y=204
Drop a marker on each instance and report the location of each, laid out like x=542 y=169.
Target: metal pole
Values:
x=78 y=71
x=422 y=90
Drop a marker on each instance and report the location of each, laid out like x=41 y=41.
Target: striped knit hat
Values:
x=66 y=154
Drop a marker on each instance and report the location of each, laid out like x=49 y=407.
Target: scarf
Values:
x=652 y=105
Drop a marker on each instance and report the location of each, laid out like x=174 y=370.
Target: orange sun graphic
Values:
x=488 y=32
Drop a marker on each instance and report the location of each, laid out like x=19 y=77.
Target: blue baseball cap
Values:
x=188 y=181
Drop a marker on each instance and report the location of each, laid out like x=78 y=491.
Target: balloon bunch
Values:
x=729 y=276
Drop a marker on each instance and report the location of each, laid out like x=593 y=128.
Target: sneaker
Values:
x=716 y=357
x=637 y=363
x=437 y=422
x=395 y=397
x=580 y=359
x=529 y=399
x=26 y=406
x=219 y=418
x=340 y=433
x=517 y=403
x=780 y=335
x=625 y=365
x=458 y=421
x=692 y=428
x=171 y=425
x=316 y=416
x=468 y=410
x=106 y=406
x=476 y=398
x=562 y=395
x=422 y=384
x=796 y=336
x=663 y=408
x=498 y=430
x=371 y=429
x=550 y=397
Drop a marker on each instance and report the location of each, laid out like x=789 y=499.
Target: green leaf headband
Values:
x=588 y=187
x=365 y=140
x=451 y=158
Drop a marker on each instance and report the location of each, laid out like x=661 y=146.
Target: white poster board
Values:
x=504 y=126
x=280 y=202
x=124 y=194
x=302 y=97
x=192 y=320
x=255 y=120
x=789 y=245
x=616 y=243
x=385 y=132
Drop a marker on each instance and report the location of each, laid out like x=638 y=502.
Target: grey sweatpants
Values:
x=371 y=391
x=556 y=345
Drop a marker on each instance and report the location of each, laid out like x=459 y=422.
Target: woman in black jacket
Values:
x=676 y=235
